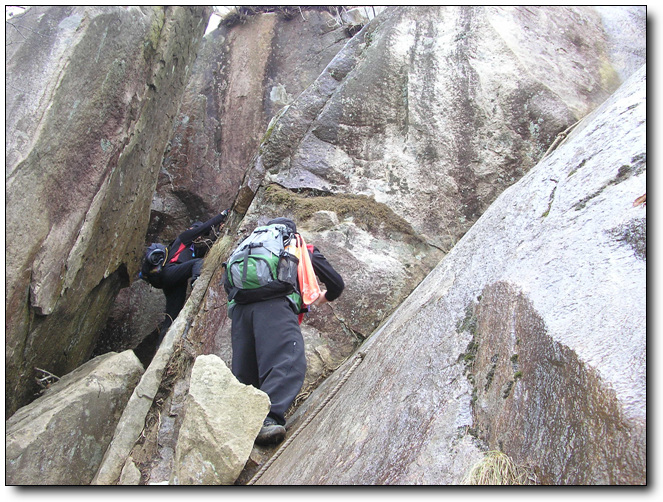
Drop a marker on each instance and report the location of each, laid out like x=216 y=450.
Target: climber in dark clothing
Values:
x=183 y=260
x=268 y=347
x=181 y=265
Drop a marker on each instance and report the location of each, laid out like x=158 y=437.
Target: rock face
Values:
x=244 y=74
x=91 y=95
x=405 y=139
x=366 y=126
x=223 y=417
x=529 y=336
x=60 y=438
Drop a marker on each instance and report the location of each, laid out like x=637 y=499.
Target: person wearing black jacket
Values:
x=181 y=265
x=268 y=347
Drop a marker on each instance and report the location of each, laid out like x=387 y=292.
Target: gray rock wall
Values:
x=441 y=108
x=243 y=75
x=92 y=93
x=407 y=137
x=529 y=337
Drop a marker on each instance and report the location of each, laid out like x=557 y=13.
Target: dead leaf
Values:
x=640 y=200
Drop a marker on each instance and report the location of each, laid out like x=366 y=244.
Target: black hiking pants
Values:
x=175 y=277
x=268 y=351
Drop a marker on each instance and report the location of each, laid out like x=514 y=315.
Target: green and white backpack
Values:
x=263 y=266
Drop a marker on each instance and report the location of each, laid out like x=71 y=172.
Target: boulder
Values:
x=137 y=311
x=528 y=337
x=223 y=418
x=355 y=18
x=60 y=438
x=131 y=475
x=91 y=96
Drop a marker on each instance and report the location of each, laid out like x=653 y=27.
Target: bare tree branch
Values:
x=45 y=378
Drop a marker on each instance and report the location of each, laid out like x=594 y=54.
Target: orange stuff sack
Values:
x=308 y=282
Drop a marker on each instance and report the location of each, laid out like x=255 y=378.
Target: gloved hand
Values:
x=321 y=300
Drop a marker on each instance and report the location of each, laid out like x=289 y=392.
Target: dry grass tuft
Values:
x=497 y=468
x=369 y=214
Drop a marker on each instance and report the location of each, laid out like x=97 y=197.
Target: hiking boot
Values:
x=271 y=433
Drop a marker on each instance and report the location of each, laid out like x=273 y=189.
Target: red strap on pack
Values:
x=177 y=253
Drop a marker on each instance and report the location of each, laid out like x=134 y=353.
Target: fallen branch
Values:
x=45 y=378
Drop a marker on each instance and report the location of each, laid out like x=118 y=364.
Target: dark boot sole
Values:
x=271 y=435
